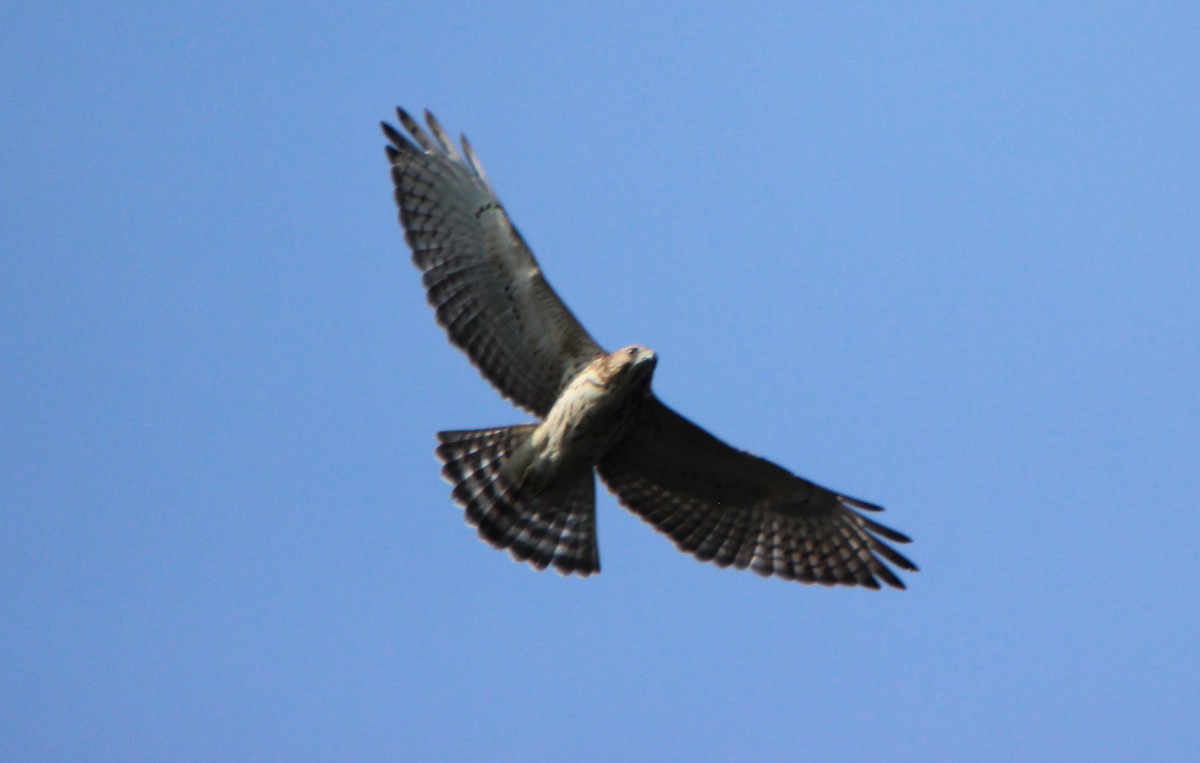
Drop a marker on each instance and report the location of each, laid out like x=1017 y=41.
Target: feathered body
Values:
x=592 y=414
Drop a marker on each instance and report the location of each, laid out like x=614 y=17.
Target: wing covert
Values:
x=479 y=274
x=729 y=507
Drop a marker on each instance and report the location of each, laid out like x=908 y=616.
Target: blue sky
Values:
x=942 y=258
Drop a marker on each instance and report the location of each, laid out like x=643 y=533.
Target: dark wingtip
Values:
x=858 y=504
x=415 y=130
x=894 y=581
x=397 y=143
x=884 y=531
x=893 y=556
x=393 y=135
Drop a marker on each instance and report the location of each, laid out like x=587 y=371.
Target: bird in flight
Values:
x=529 y=488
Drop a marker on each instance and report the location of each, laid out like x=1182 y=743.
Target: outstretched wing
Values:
x=480 y=275
x=729 y=507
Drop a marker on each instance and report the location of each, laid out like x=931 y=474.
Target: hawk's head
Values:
x=633 y=365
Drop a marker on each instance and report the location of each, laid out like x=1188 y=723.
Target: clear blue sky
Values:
x=946 y=259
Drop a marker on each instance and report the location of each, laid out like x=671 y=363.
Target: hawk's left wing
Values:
x=729 y=507
x=479 y=273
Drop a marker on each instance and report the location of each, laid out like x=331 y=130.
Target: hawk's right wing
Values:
x=726 y=506
x=480 y=275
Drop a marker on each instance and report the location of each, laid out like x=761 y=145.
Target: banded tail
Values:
x=556 y=527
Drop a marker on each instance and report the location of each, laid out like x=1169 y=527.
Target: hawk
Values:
x=529 y=488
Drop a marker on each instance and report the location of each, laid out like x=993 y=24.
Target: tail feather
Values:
x=556 y=527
